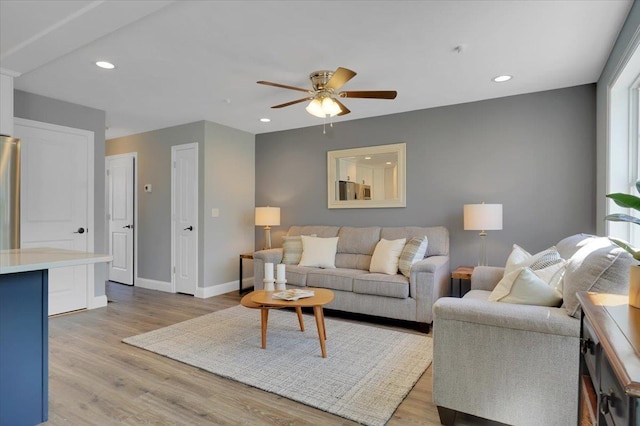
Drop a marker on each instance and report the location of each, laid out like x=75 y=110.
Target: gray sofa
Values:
x=359 y=291
x=519 y=364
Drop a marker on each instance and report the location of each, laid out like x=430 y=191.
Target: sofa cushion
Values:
x=382 y=285
x=599 y=266
x=353 y=261
x=333 y=279
x=412 y=252
x=570 y=245
x=297 y=275
x=358 y=240
x=438 y=237
x=386 y=256
x=318 y=252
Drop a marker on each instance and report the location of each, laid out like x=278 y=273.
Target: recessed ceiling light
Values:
x=106 y=65
x=502 y=78
x=388 y=162
x=265 y=120
x=367 y=158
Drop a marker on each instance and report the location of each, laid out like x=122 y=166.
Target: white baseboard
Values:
x=98 y=302
x=153 y=284
x=216 y=290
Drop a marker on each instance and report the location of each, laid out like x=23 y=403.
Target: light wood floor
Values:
x=94 y=378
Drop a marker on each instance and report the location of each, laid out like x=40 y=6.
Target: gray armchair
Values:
x=519 y=364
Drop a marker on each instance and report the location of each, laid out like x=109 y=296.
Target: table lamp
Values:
x=482 y=217
x=267 y=217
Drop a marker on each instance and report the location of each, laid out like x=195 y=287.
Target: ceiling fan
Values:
x=323 y=96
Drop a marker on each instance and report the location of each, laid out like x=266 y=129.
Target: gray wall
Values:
x=533 y=153
x=154 y=209
x=628 y=35
x=230 y=187
x=226 y=181
x=47 y=110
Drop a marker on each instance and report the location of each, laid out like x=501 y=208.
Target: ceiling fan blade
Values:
x=370 y=94
x=344 y=109
x=284 y=86
x=339 y=78
x=292 y=103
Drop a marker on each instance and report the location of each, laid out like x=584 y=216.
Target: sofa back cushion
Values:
x=567 y=247
x=319 y=230
x=438 y=237
x=599 y=266
x=356 y=246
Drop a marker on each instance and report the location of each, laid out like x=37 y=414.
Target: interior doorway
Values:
x=121 y=206
x=184 y=218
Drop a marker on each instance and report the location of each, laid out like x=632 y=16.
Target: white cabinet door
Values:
x=56 y=179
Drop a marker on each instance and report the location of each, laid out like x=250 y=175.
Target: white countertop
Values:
x=34 y=259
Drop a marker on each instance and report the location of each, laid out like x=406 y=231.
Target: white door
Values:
x=120 y=216
x=57 y=203
x=184 y=201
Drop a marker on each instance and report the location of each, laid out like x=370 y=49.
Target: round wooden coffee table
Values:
x=322 y=296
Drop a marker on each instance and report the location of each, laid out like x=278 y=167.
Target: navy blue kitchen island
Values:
x=24 y=330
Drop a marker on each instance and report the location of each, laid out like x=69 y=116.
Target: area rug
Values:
x=366 y=375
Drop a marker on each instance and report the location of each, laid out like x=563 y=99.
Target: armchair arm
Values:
x=486 y=277
x=539 y=319
x=259 y=259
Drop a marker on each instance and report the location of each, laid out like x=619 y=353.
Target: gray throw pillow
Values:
x=412 y=252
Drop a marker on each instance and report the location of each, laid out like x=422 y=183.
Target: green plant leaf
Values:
x=623 y=244
x=626 y=200
x=620 y=217
x=638 y=186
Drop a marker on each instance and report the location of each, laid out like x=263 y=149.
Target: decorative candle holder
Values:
x=280 y=284
x=268 y=284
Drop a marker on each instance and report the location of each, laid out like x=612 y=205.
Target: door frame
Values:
x=174 y=148
x=92 y=300
x=133 y=155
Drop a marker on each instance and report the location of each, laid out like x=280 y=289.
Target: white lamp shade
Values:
x=315 y=108
x=482 y=217
x=267 y=216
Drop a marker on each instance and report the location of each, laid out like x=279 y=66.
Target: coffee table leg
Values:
x=319 y=315
x=300 y=320
x=265 y=318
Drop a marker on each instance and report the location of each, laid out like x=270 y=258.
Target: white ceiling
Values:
x=183 y=61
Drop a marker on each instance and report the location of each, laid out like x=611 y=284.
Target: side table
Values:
x=461 y=273
x=242 y=257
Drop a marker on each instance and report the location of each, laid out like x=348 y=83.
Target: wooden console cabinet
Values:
x=610 y=361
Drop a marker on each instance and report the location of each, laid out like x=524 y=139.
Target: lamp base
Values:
x=267 y=238
x=482 y=259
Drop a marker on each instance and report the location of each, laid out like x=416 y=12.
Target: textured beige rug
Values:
x=366 y=375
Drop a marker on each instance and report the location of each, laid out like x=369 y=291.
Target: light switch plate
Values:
x=215 y=212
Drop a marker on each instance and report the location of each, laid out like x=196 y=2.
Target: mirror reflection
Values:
x=367 y=177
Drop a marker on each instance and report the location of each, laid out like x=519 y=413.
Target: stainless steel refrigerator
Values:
x=9 y=193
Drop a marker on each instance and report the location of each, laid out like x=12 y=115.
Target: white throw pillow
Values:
x=318 y=252
x=520 y=258
x=386 y=256
x=412 y=252
x=530 y=287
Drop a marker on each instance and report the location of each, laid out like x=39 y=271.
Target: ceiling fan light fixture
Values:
x=330 y=107
x=315 y=108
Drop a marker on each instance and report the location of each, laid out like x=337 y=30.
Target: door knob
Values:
x=127 y=226
x=79 y=231
x=190 y=228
